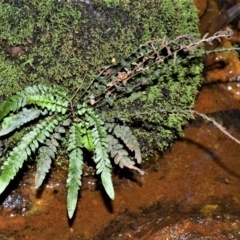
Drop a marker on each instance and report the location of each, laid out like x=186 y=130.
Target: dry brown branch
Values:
x=219 y=126
x=193 y=112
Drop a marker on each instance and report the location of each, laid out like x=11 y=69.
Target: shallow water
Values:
x=192 y=191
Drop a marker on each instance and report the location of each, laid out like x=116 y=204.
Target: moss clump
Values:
x=56 y=42
x=60 y=41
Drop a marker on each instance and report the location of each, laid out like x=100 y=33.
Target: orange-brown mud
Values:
x=192 y=191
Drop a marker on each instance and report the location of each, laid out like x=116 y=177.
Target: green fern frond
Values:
x=88 y=132
x=75 y=167
x=101 y=157
x=12 y=104
x=118 y=153
x=46 y=155
x=126 y=135
x=86 y=136
x=53 y=99
x=74 y=179
x=15 y=121
x=42 y=90
x=44 y=161
x=50 y=102
x=25 y=148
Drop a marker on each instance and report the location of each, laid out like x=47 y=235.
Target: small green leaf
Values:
x=66 y=122
x=61 y=130
x=54 y=142
x=109 y=100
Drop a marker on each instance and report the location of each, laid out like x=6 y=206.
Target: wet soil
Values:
x=192 y=191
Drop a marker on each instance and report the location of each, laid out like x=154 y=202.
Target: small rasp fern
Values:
x=49 y=114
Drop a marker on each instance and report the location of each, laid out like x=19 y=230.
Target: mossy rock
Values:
x=57 y=42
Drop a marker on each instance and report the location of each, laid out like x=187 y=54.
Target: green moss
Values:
x=62 y=41
x=210 y=209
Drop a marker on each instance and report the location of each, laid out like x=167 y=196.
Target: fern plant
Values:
x=130 y=92
x=51 y=116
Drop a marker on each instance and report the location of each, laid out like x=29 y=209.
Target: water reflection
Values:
x=223 y=67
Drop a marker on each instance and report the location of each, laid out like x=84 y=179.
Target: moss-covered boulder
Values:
x=69 y=43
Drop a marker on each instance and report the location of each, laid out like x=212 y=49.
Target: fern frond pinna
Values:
x=25 y=148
